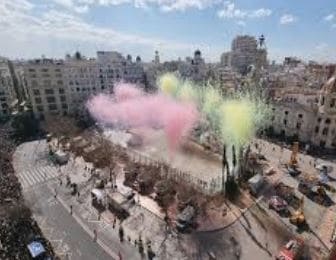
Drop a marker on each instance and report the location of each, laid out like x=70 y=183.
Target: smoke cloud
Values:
x=130 y=107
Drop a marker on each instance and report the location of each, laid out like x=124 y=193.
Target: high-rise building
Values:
x=246 y=52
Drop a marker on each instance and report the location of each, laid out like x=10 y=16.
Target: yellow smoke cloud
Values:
x=237 y=123
x=169 y=83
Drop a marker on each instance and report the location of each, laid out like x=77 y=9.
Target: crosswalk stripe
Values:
x=43 y=173
x=39 y=175
x=49 y=171
x=53 y=173
x=33 y=176
x=23 y=182
x=25 y=175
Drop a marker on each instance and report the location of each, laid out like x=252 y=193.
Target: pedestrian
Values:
x=78 y=194
x=114 y=222
x=121 y=234
x=94 y=235
x=55 y=193
x=70 y=209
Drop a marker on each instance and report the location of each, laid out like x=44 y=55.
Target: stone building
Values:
x=81 y=79
x=8 y=96
x=245 y=52
x=308 y=117
x=113 y=68
x=194 y=68
x=47 y=89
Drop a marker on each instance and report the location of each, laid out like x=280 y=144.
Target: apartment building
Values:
x=7 y=91
x=47 y=88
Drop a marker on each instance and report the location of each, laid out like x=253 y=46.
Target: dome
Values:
x=330 y=86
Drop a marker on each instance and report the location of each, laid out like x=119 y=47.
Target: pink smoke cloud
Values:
x=130 y=107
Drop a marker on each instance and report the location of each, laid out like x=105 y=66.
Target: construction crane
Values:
x=298 y=217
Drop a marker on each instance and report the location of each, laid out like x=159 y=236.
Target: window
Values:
x=333 y=102
x=327 y=121
x=317 y=129
x=33 y=76
x=71 y=83
x=64 y=106
x=319 y=119
x=78 y=89
x=51 y=99
x=300 y=115
x=52 y=107
x=325 y=131
x=285 y=122
x=34 y=83
x=38 y=100
x=322 y=143
x=4 y=105
x=57 y=70
x=49 y=91
x=39 y=108
x=36 y=92
x=63 y=99
x=61 y=90
x=298 y=125
x=46 y=75
x=322 y=101
x=32 y=70
x=273 y=117
x=44 y=70
x=59 y=82
x=47 y=82
x=286 y=112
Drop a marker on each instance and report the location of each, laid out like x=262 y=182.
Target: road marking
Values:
x=39 y=175
x=32 y=176
x=23 y=181
x=25 y=174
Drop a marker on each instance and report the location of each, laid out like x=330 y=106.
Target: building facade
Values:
x=245 y=52
x=47 y=89
x=7 y=91
x=307 y=117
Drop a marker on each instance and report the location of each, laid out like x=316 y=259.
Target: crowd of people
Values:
x=17 y=227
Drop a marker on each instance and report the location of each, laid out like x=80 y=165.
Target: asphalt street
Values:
x=73 y=242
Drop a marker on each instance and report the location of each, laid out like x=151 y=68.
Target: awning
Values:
x=98 y=193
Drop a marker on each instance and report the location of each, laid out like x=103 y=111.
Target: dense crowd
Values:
x=17 y=227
